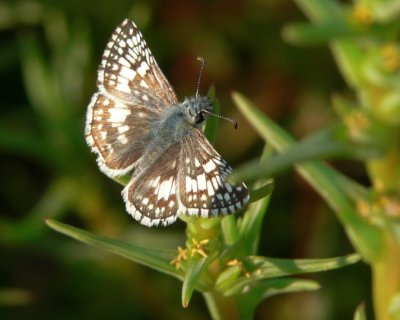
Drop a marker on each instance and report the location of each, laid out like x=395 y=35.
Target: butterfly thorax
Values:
x=175 y=123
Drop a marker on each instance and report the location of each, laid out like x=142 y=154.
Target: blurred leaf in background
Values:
x=49 y=53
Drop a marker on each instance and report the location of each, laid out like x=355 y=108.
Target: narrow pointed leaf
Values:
x=268 y=288
x=360 y=312
x=260 y=268
x=324 y=179
x=327 y=143
x=307 y=34
x=194 y=271
x=157 y=259
x=251 y=224
x=263 y=267
x=261 y=192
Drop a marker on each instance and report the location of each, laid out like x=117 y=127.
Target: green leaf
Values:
x=360 y=312
x=123 y=180
x=261 y=192
x=157 y=259
x=263 y=267
x=328 y=182
x=322 y=11
x=230 y=230
x=268 y=288
x=306 y=34
x=194 y=271
x=259 y=268
x=326 y=143
x=271 y=287
x=40 y=86
x=228 y=277
x=251 y=224
x=10 y=297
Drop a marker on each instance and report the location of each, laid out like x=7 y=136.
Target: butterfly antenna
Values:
x=202 y=63
x=233 y=121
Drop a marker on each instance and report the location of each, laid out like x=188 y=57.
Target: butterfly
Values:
x=136 y=125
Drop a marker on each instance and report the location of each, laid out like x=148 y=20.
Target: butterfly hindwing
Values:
x=151 y=195
x=203 y=189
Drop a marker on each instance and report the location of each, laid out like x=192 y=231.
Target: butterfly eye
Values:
x=199 y=118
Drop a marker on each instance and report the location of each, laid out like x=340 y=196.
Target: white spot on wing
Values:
x=123 y=129
x=210 y=189
x=118 y=114
x=188 y=184
x=124 y=62
x=127 y=73
x=142 y=70
x=165 y=189
x=123 y=87
x=123 y=139
x=227 y=197
x=144 y=84
x=201 y=180
x=103 y=135
x=209 y=166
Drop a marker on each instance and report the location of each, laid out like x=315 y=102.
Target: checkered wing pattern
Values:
x=116 y=131
x=132 y=94
x=151 y=195
x=134 y=123
x=203 y=189
x=128 y=70
x=189 y=178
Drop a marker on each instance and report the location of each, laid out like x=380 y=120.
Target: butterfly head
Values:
x=197 y=108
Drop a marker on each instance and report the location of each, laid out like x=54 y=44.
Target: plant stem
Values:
x=386 y=280
x=220 y=307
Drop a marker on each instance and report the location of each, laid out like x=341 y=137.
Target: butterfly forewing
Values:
x=117 y=132
x=132 y=93
x=203 y=189
x=128 y=69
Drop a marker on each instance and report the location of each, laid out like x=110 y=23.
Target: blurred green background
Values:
x=49 y=53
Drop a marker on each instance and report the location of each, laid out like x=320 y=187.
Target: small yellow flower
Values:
x=362 y=14
x=199 y=247
x=357 y=120
x=182 y=256
x=234 y=263
x=390 y=205
x=391 y=57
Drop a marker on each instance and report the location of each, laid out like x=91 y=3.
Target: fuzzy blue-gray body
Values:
x=174 y=124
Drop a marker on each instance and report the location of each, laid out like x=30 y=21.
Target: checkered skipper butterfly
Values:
x=135 y=124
